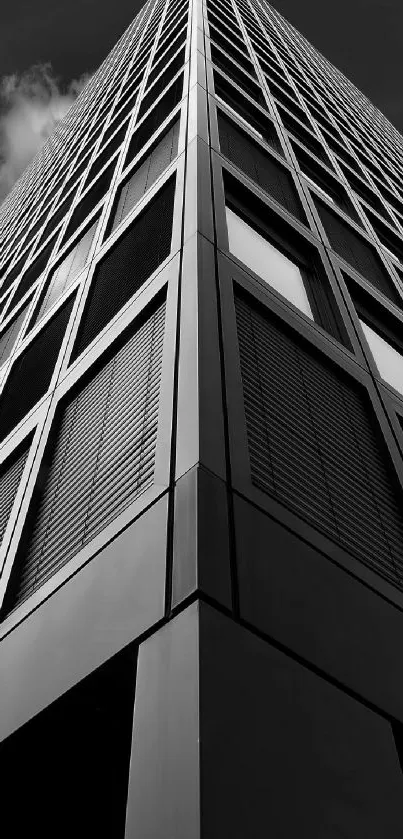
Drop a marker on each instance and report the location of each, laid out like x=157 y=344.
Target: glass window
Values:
x=268 y=262
x=65 y=273
x=391 y=253
x=9 y=337
x=388 y=360
x=319 y=188
x=244 y=121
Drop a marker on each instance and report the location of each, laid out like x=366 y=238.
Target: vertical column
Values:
x=201 y=531
x=164 y=783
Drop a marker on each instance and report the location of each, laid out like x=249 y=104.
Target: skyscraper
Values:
x=201 y=447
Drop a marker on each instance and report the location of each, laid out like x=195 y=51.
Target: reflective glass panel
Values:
x=244 y=121
x=268 y=262
x=319 y=188
x=65 y=273
x=388 y=360
x=10 y=335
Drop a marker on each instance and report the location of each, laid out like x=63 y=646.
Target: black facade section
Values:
x=313 y=446
x=102 y=458
x=87 y=795
x=31 y=374
x=262 y=169
x=134 y=257
x=10 y=476
x=146 y=173
x=351 y=247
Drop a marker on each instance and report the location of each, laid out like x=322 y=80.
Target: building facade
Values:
x=201 y=446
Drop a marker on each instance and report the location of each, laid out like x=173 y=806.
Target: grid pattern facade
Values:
x=209 y=246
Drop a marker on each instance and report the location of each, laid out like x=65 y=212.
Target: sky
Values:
x=70 y=40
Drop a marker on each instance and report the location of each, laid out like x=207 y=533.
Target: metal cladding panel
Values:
x=9 y=337
x=135 y=256
x=262 y=169
x=312 y=445
x=144 y=176
x=9 y=481
x=31 y=374
x=101 y=461
x=65 y=273
x=351 y=247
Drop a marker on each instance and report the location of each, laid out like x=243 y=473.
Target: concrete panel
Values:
x=283 y=752
x=201 y=538
x=108 y=603
x=200 y=421
x=163 y=800
x=308 y=603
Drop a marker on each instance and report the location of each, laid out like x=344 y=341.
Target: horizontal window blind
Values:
x=313 y=446
x=102 y=458
x=10 y=476
x=134 y=257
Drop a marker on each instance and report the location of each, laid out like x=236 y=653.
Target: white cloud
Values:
x=30 y=107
